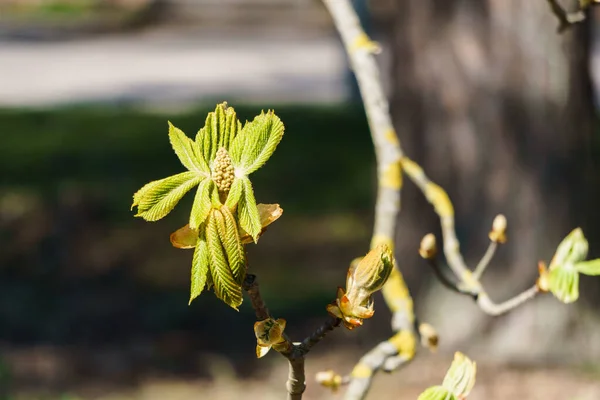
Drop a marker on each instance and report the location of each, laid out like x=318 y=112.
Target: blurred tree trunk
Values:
x=498 y=109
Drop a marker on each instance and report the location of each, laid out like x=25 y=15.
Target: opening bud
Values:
x=498 y=232
x=428 y=248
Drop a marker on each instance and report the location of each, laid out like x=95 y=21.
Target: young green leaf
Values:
x=437 y=393
x=248 y=212
x=256 y=143
x=225 y=286
x=157 y=199
x=202 y=203
x=563 y=282
x=460 y=377
x=200 y=262
x=591 y=267
x=572 y=249
x=233 y=246
x=187 y=151
x=237 y=188
x=219 y=130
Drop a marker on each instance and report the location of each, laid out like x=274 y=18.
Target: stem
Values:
x=296 y=382
x=318 y=335
x=493 y=309
x=485 y=260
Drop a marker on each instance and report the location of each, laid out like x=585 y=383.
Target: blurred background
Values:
x=498 y=108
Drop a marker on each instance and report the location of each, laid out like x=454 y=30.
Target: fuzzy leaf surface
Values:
x=225 y=286
x=248 y=214
x=200 y=265
x=187 y=151
x=202 y=203
x=156 y=199
x=256 y=142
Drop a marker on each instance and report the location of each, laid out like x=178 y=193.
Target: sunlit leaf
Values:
x=158 y=198
x=248 y=212
x=184 y=238
x=233 y=247
x=257 y=141
x=235 y=192
x=563 y=282
x=437 y=393
x=202 y=203
x=219 y=130
x=187 y=151
x=591 y=267
x=225 y=286
x=200 y=265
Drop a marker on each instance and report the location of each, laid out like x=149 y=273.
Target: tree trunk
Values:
x=497 y=107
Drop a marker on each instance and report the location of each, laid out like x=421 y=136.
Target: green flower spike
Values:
x=562 y=277
x=224 y=209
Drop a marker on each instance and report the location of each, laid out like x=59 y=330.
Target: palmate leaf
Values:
x=233 y=246
x=225 y=286
x=200 y=266
x=591 y=267
x=202 y=203
x=219 y=130
x=187 y=151
x=437 y=393
x=230 y=240
x=563 y=282
x=158 y=198
x=236 y=191
x=248 y=214
x=256 y=142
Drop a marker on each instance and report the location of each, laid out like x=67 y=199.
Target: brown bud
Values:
x=428 y=248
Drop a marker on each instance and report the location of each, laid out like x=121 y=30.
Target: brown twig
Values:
x=329 y=325
x=294 y=352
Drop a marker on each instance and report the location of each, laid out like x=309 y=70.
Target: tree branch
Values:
x=565 y=19
x=294 y=352
x=330 y=324
x=390 y=164
x=388 y=152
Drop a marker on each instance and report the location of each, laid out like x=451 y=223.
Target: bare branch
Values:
x=565 y=19
x=485 y=260
x=384 y=356
x=330 y=324
x=251 y=287
x=444 y=279
x=491 y=308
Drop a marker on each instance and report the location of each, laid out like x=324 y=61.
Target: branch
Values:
x=469 y=282
x=388 y=152
x=565 y=19
x=330 y=324
x=381 y=357
x=294 y=352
